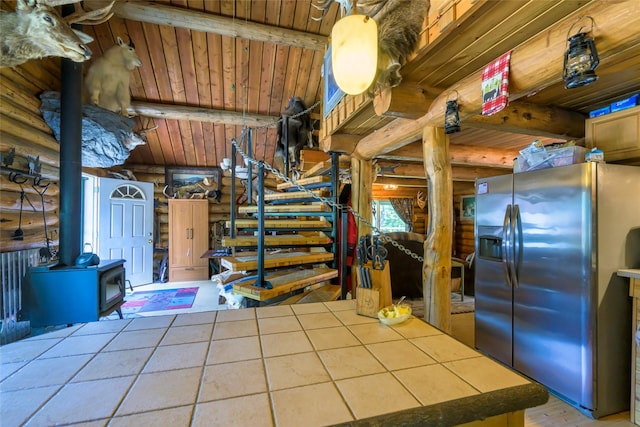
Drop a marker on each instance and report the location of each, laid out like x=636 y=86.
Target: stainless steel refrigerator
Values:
x=548 y=300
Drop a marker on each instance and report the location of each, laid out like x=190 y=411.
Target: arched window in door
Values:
x=127 y=191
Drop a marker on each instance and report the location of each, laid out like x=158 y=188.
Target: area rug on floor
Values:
x=466 y=306
x=457 y=306
x=164 y=299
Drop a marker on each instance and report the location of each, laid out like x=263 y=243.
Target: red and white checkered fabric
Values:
x=495 y=85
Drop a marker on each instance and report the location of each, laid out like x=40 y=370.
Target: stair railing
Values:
x=285 y=138
x=335 y=170
x=260 y=282
x=232 y=212
x=249 y=169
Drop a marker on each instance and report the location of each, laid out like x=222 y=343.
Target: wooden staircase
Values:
x=299 y=240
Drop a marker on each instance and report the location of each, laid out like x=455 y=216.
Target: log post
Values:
x=361 y=188
x=436 y=269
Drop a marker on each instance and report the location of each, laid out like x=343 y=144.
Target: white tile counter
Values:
x=308 y=364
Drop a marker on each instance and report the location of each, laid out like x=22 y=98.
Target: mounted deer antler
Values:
x=36 y=30
x=94 y=12
x=421 y=198
x=323 y=5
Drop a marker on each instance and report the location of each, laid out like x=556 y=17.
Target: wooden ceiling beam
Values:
x=378 y=192
x=401 y=182
x=518 y=117
x=532 y=119
x=408 y=100
x=535 y=65
x=145 y=11
x=340 y=143
x=460 y=155
x=415 y=170
x=198 y=114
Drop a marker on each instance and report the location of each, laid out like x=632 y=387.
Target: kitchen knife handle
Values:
x=505 y=246
x=368 y=274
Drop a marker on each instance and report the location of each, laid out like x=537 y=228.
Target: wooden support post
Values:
x=361 y=188
x=436 y=269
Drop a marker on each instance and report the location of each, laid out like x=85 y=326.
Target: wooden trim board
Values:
x=322 y=294
x=296 y=195
x=305 y=181
x=283 y=284
x=317 y=238
x=321 y=168
x=280 y=223
x=281 y=259
x=313 y=207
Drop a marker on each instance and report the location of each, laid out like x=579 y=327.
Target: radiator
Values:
x=13 y=267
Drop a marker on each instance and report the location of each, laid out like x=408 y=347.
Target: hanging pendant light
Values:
x=452 y=117
x=580 y=59
x=354 y=53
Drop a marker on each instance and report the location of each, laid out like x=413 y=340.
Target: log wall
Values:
x=463 y=233
x=23 y=129
x=464 y=237
x=219 y=212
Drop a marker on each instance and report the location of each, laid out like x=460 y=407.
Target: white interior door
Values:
x=125 y=226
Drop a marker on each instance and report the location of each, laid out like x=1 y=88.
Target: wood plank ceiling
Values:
x=219 y=71
x=192 y=68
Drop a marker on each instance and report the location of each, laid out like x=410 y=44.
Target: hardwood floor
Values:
x=556 y=413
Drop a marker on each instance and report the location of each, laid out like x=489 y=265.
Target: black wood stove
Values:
x=57 y=295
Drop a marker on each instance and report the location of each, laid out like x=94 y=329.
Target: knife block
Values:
x=370 y=301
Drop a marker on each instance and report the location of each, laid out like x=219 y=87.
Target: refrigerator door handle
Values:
x=505 y=246
x=514 y=254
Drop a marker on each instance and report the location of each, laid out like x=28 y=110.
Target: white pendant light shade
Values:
x=354 y=53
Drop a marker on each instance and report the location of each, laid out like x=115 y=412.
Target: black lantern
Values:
x=452 y=118
x=580 y=61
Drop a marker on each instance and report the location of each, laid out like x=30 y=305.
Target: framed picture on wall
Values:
x=186 y=182
x=467 y=208
x=331 y=93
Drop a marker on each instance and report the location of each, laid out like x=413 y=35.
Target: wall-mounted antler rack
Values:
x=21 y=176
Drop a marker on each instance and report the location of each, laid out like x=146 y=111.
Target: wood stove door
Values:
x=126 y=226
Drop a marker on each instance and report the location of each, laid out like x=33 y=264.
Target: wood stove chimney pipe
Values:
x=70 y=157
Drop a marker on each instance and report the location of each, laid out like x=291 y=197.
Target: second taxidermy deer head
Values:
x=36 y=30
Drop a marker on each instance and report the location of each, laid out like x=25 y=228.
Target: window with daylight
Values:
x=385 y=217
x=127 y=192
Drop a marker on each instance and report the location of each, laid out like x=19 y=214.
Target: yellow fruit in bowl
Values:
x=394 y=314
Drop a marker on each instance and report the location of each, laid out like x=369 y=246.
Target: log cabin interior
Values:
x=213 y=80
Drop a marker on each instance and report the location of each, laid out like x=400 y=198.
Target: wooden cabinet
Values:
x=188 y=239
x=634 y=291
x=617 y=134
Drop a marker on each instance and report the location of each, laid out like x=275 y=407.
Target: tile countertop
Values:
x=632 y=273
x=308 y=364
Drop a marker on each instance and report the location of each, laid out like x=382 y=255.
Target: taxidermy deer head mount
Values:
x=35 y=30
